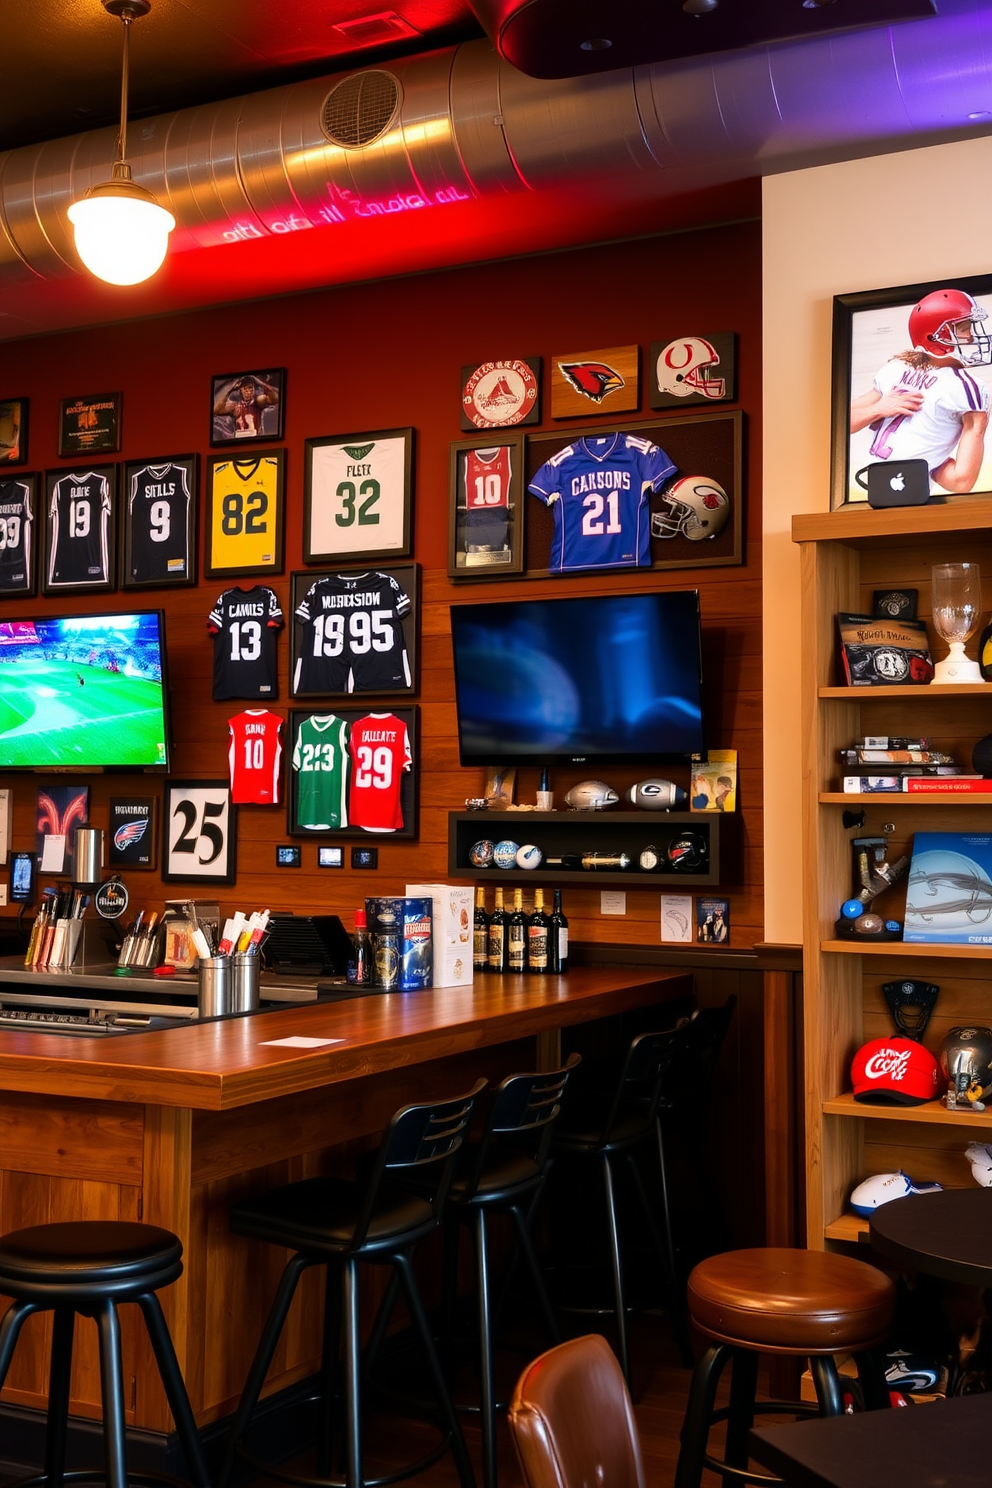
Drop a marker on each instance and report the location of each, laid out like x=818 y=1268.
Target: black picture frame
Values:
x=255 y=420
x=60 y=563
x=408 y=716
x=173 y=565
x=502 y=552
x=89 y=424
x=255 y=521
x=13 y=432
x=870 y=330
x=358 y=497
x=305 y=680
x=199 y=812
x=21 y=524
x=131 y=833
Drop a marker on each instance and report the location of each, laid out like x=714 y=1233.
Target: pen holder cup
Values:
x=214 y=992
x=244 y=983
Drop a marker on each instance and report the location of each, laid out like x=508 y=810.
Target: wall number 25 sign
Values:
x=199 y=837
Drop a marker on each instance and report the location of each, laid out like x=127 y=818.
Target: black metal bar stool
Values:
x=89 y=1267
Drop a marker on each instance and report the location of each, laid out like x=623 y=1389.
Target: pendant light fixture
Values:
x=121 y=232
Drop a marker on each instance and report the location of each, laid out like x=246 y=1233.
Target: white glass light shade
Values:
x=121 y=232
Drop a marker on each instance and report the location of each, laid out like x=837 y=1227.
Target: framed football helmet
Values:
x=697 y=508
x=934 y=327
x=684 y=367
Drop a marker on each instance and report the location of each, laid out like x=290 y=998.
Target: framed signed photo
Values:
x=358 y=492
x=13 y=431
x=79 y=545
x=246 y=406
x=199 y=837
x=245 y=514
x=159 y=521
x=19 y=514
x=486 y=514
x=912 y=378
x=355 y=631
x=353 y=772
x=89 y=424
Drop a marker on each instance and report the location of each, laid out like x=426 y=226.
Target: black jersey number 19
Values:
x=369 y=489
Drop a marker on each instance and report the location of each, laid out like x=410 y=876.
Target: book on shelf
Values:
x=955 y=785
x=862 y=756
x=896 y=780
x=949 y=890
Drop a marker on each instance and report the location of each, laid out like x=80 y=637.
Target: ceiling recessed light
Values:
x=596 y=44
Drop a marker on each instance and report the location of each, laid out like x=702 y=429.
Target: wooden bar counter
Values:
x=172 y=1126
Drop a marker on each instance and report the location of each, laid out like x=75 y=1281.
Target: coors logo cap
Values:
x=895 y=1072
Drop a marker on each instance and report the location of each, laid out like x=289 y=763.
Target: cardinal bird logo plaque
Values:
x=606 y=379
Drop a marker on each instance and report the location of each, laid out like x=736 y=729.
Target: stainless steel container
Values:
x=214 y=994
x=244 y=983
x=87 y=856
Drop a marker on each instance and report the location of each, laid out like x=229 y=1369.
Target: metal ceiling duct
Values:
x=463 y=124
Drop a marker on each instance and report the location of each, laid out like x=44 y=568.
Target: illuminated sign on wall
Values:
x=344 y=206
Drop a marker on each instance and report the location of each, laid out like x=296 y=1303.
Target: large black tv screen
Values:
x=83 y=691
x=610 y=678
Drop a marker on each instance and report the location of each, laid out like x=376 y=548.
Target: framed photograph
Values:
x=693 y=370
x=358 y=496
x=912 y=379
x=501 y=394
x=355 y=631
x=199 y=839
x=353 y=772
x=664 y=494
x=247 y=405
x=582 y=381
x=159 y=522
x=89 y=425
x=485 y=511
x=13 y=431
x=131 y=842
x=245 y=514
x=18 y=534
x=80 y=531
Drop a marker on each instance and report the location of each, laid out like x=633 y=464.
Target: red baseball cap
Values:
x=896 y=1071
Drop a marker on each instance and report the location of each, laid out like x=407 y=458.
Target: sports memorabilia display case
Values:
x=353 y=772
x=158 y=513
x=354 y=631
x=358 y=496
x=245 y=514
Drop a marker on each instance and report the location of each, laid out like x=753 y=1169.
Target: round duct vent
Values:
x=360 y=109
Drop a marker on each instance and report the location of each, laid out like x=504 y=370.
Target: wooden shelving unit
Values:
x=846 y=555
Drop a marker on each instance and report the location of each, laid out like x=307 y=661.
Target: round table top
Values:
x=946 y=1234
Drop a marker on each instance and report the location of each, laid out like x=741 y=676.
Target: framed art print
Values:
x=246 y=406
x=79 y=545
x=199 y=837
x=358 y=496
x=13 y=431
x=131 y=842
x=89 y=424
x=355 y=631
x=353 y=772
x=18 y=534
x=159 y=522
x=912 y=379
x=245 y=514
x=486 y=513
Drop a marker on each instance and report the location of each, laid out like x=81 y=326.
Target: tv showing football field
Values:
x=83 y=692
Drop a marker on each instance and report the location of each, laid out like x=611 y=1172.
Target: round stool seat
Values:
x=791 y=1301
x=87 y=1251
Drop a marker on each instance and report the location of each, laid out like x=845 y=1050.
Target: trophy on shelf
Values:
x=956 y=600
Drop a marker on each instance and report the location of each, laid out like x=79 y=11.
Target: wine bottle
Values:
x=537 y=936
x=545 y=798
x=571 y=861
x=516 y=935
x=606 y=862
x=480 y=935
x=496 y=960
x=557 y=937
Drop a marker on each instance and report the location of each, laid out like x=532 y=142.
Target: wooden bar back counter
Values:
x=171 y=1126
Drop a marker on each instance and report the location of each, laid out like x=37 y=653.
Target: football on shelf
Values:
x=591 y=795
x=656 y=795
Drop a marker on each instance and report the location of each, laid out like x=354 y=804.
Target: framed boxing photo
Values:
x=19 y=525
x=247 y=406
x=13 y=431
x=355 y=630
x=79 y=549
x=158 y=518
x=485 y=511
x=199 y=836
x=912 y=380
x=353 y=772
x=245 y=514
x=358 y=496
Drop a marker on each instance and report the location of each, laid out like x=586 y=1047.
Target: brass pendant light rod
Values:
x=126 y=11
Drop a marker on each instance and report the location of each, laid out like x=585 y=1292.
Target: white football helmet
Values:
x=684 y=366
x=697 y=507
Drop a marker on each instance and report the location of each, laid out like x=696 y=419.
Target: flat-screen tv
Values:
x=84 y=691
x=610 y=678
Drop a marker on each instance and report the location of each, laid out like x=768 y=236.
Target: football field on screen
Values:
x=49 y=716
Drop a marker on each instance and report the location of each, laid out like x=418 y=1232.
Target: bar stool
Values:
x=799 y=1302
x=89 y=1267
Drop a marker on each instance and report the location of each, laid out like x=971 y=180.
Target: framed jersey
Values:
x=358 y=496
x=355 y=631
x=18 y=534
x=245 y=514
x=158 y=518
x=199 y=836
x=79 y=534
x=353 y=772
x=486 y=514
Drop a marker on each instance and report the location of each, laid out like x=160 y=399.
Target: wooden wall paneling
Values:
x=166 y=1202
x=71 y=1138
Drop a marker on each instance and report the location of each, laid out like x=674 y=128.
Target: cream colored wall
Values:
x=864 y=224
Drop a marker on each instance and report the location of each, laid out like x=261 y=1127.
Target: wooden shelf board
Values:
x=906 y=798
x=931 y=1114
x=905 y=948
x=861 y=524
x=933 y=689
x=846 y=1227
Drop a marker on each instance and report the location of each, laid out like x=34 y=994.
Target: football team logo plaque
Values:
x=500 y=394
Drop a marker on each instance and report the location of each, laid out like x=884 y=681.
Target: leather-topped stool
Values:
x=88 y=1267
x=799 y=1302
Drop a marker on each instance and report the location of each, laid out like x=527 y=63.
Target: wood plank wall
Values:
x=386 y=355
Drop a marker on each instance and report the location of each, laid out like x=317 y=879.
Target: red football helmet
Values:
x=948 y=323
